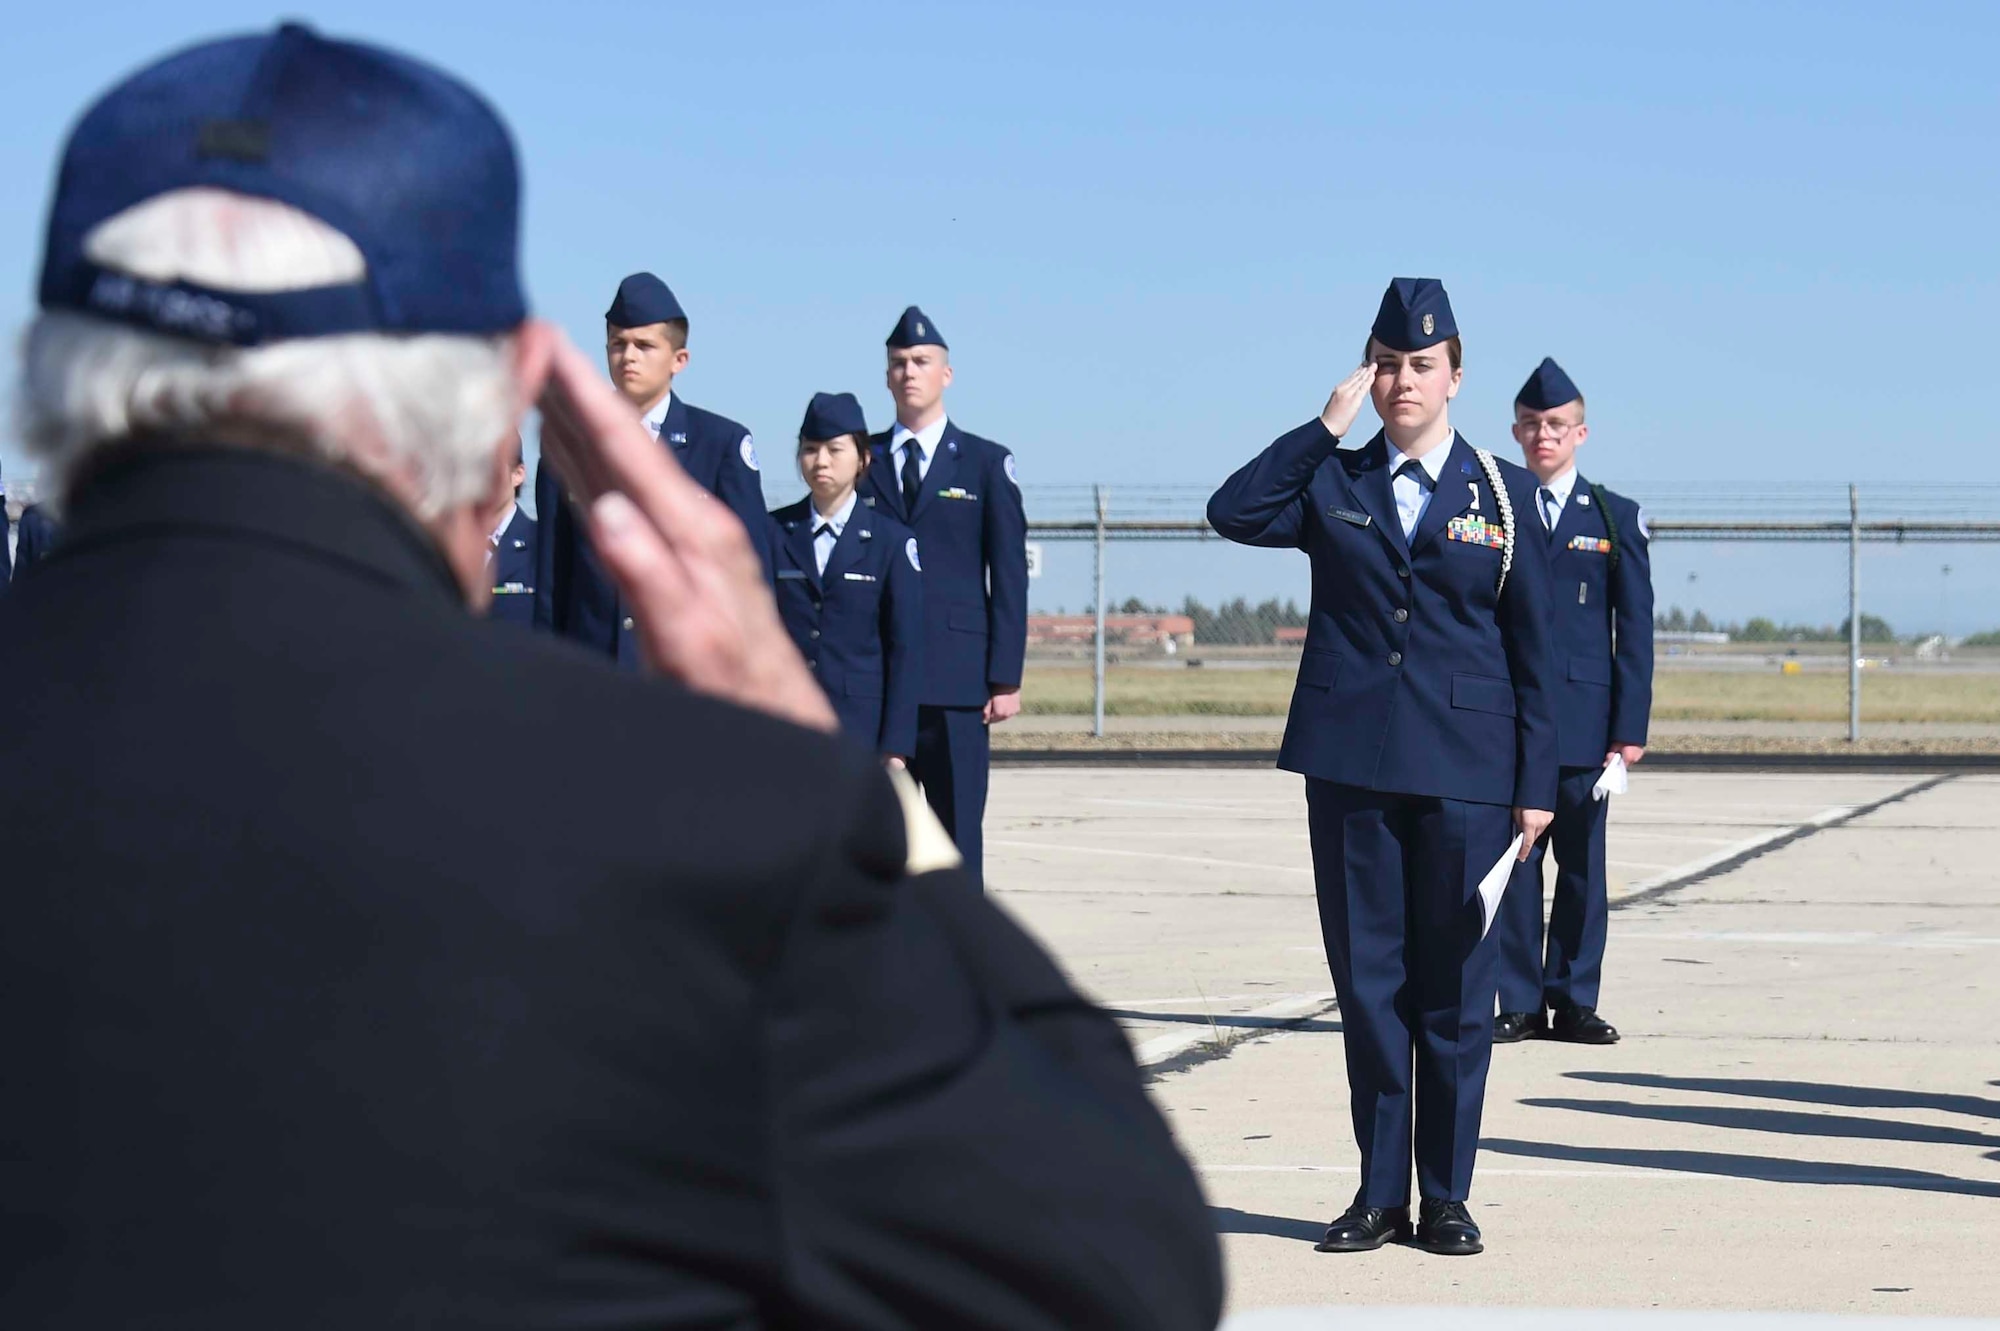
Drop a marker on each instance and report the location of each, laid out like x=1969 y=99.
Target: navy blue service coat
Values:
x=859 y=625
x=973 y=533
x=513 y=572
x=1472 y=716
x=689 y=1048
x=34 y=536
x=1603 y=625
x=574 y=596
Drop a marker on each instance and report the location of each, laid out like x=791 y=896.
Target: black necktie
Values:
x=1549 y=509
x=1415 y=471
x=913 y=477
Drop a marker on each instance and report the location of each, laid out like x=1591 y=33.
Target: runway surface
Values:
x=1804 y=1115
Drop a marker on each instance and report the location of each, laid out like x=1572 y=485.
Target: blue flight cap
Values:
x=1415 y=314
x=404 y=160
x=831 y=415
x=643 y=299
x=915 y=329
x=1547 y=387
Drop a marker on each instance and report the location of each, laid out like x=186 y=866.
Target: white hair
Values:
x=426 y=412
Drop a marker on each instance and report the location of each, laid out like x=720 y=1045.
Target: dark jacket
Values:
x=513 y=572
x=1603 y=625
x=1416 y=679
x=306 y=1026
x=974 y=536
x=574 y=597
x=860 y=626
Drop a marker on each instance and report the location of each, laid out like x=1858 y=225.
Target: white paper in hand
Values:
x=1614 y=781
x=1494 y=886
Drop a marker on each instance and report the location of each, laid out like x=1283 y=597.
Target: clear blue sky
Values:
x=1760 y=236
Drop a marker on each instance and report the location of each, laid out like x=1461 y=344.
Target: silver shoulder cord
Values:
x=1492 y=470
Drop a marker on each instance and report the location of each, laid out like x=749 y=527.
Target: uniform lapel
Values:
x=882 y=477
x=942 y=474
x=855 y=538
x=1454 y=495
x=1370 y=484
x=1573 y=517
x=799 y=541
x=674 y=429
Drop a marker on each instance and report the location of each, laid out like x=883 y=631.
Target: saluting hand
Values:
x=1346 y=402
x=704 y=613
x=1531 y=823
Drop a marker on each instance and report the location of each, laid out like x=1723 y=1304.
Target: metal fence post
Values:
x=1098 y=728
x=1853 y=615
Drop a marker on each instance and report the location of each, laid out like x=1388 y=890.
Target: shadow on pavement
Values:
x=1241 y=1022
x=1795 y=1122
x=1806 y=1092
x=1229 y=1220
x=1766 y=1169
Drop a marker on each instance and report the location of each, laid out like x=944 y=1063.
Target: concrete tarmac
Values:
x=1804 y=1114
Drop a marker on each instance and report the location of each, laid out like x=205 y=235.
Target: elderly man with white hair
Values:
x=302 y=1028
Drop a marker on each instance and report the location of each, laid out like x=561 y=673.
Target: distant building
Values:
x=1286 y=636
x=1157 y=631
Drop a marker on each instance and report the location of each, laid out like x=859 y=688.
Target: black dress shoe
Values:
x=1582 y=1025
x=1510 y=1027
x=1446 y=1228
x=1365 y=1228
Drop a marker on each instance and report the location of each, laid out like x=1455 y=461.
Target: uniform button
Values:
x=815 y=633
x=1395 y=658
x=627 y=625
x=812 y=665
x=1402 y=616
x=1402 y=571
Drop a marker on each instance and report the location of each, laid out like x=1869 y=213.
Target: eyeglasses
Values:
x=1554 y=429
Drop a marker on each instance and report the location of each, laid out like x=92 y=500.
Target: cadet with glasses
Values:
x=1423 y=726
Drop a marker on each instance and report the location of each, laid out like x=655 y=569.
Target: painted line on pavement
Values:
x=1275 y=1016
x=1924 y=942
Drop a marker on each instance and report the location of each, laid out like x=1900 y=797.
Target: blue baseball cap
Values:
x=1415 y=314
x=405 y=161
x=831 y=415
x=915 y=329
x=643 y=299
x=1547 y=387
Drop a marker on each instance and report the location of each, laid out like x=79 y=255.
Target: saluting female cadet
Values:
x=1423 y=725
x=850 y=584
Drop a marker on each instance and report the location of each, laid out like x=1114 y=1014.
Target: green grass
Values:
x=1679 y=695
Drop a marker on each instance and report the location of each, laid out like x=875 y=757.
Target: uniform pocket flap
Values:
x=966 y=618
x=1478 y=693
x=1318 y=670
x=1590 y=670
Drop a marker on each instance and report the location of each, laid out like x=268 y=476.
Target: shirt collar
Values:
x=1432 y=462
x=927 y=438
x=656 y=419
x=505 y=523
x=1562 y=485
x=838 y=520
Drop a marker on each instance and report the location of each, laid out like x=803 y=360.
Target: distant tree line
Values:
x=1760 y=629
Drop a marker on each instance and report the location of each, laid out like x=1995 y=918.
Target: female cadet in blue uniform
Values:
x=849 y=584
x=1603 y=634
x=1423 y=726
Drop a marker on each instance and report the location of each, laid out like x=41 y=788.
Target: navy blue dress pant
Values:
x=1567 y=972
x=1398 y=879
x=953 y=753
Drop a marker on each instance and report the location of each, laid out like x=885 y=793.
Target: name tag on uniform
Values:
x=956 y=493
x=1349 y=515
x=513 y=589
x=859 y=577
x=785 y=573
x=1590 y=544
x=1477 y=531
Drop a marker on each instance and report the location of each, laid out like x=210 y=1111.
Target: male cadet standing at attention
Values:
x=961 y=495
x=511 y=563
x=1603 y=691
x=645 y=349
